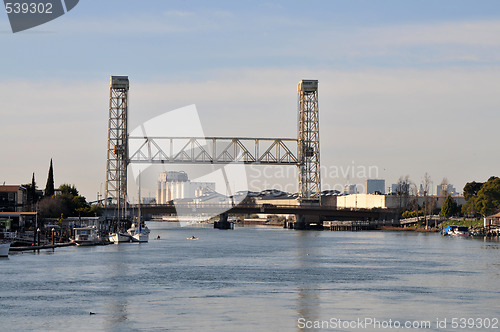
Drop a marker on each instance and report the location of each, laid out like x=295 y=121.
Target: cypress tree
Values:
x=449 y=207
x=33 y=190
x=49 y=188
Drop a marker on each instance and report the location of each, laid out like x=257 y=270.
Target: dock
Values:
x=45 y=246
x=358 y=225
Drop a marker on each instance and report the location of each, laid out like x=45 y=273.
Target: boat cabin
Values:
x=85 y=234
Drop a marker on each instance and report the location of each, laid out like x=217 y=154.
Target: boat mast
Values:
x=139 y=206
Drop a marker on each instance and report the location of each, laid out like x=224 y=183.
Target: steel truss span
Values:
x=213 y=150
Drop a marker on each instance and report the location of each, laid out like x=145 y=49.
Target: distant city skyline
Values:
x=406 y=87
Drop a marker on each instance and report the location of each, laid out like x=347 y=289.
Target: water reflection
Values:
x=308 y=297
x=117 y=298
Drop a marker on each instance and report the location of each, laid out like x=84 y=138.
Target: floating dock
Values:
x=45 y=246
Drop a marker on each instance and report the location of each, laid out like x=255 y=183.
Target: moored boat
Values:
x=86 y=236
x=4 y=249
x=119 y=238
x=140 y=237
x=138 y=233
x=454 y=230
x=461 y=231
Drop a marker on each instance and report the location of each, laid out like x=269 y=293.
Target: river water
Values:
x=255 y=279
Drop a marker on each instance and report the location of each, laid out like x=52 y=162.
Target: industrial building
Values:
x=375 y=186
x=369 y=201
x=173 y=185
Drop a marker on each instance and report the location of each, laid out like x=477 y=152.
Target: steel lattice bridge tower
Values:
x=308 y=143
x=302 y=152
x=117 y=156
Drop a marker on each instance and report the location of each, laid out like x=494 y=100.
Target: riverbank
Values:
x=468 y=223
x=409 y=229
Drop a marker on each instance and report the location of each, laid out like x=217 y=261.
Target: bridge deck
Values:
x=327 y=212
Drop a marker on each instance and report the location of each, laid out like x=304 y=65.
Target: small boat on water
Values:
x=118 y=237
x=454 y=230
x=192 y=238
x=138 y=233
x=4 y=249
x=85 y=236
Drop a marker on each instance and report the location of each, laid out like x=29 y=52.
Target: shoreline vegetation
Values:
x=410 y=229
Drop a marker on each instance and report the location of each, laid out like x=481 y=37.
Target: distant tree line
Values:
x=67 y=202
x=64 y=201
x=407 y=191
x=482 y=198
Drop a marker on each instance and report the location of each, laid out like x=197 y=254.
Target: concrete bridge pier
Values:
x=223 y=223
x=303 y=222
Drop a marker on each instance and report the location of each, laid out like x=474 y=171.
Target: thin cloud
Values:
x=178 y=13
x=164 y=23
x=467 y=33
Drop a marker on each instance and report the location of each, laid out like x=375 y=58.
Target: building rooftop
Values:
x=9 y=188
x=16 y=214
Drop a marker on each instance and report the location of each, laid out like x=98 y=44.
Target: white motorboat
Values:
x=4 y=249
x=86 y=236
x=119 y=237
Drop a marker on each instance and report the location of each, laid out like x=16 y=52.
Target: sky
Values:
x=405 y=87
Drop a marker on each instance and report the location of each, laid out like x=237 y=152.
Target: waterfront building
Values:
x=173 y=185
x=375 y=186
x=17 y=221
x=369 y=201
x=212 y=198
x=13 y=198
x=492 y=221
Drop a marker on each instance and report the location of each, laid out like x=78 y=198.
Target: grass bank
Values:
x=468 y=223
